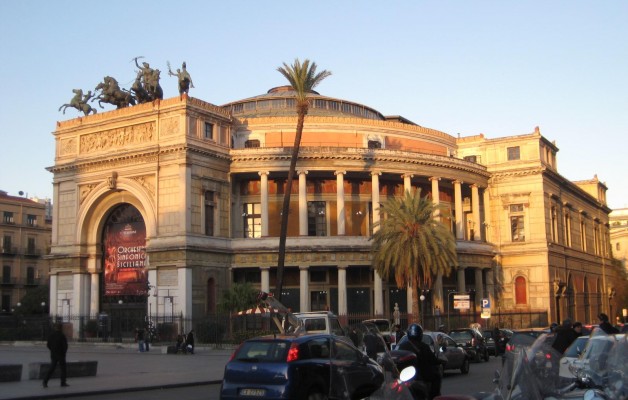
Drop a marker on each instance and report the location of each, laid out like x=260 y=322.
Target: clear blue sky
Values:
x=493 y=67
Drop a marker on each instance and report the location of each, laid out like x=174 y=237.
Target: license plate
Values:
x=252 y=392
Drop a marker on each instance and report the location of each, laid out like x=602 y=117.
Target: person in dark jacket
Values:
x=565 y=335
x=190 y=342
x=58 y=345
x=605 y=325
x=426 y=361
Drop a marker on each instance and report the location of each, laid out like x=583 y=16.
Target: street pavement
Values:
x=121 y=368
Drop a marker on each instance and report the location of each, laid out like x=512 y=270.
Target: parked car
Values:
x=384 y=327
x=310 y=366
x=496 y=347
x=571 y=354
x=472 y=342
x=446 y=348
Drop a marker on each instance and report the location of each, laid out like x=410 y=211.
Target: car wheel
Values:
x=465 y=366
x=316 y=396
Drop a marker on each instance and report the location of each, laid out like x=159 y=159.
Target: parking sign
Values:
x=486 y=303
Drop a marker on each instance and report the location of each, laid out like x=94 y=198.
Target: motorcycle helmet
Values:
x=415 y=332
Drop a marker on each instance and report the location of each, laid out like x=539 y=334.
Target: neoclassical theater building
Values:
x=160 y=207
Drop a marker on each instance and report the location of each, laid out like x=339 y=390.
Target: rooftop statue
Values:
x=185 y=80
x=146 y=86
x=111 y=93
x=79 y=101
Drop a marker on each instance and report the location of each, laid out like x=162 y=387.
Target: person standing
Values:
x=190 y=341
x=139 y=338
x=605 y=325
x=58 y=346
x=565 y=335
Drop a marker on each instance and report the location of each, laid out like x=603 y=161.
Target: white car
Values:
x=571 y=354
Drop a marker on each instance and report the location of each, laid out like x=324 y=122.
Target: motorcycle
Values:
x=601 y=372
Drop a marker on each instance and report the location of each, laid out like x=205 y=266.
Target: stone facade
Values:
x=208 y=182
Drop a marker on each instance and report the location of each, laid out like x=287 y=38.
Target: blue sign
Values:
x=486 y=303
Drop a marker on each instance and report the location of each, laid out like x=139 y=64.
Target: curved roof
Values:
x=280 y=101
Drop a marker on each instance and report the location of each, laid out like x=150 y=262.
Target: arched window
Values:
x=521 y=292
x=570 y=293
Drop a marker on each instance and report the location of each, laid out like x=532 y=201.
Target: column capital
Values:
x=457 y=181
x=302 y=171
x=265 y=268
x=375 y=173
x=342 y=266
x=475 y=185
x=434 y=178
x=261 y=173
x=304 y=267
x=407 y=175
x=340 y=173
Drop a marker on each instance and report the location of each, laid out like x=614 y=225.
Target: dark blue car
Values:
x=314 y=366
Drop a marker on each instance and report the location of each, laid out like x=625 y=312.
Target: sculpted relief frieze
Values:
x=67 y=146
x=147 y=183
x=169 y=127
x=118 y=137
x=84 y=191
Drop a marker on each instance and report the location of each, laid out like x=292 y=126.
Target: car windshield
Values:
x=576 y=347
x=263 y=350
x=383 y=326
x=461 y=335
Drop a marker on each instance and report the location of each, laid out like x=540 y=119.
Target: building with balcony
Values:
x=25 y=231
x=160 y=207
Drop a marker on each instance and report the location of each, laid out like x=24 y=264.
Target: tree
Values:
x=32 y=301
x=303 y=78
x=241 y=296
x=412 y=245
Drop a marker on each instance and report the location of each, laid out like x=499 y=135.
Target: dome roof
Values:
x=281 y=101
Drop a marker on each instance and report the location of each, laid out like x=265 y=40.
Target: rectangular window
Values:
x=251 y=144
x=252 y=220
x=31 y=220
x=209 y=131
x=513 y=153
x=517 y=228
x=554 y=223
x=567 y=229
x=6 y=274
x=374 y=144
x=316 y=218
x=30 y=246
x=6 y=302
x=6 y=244
x=583 y=235
x=473 y=159
x=7 y=218
x=210 y=212
x=30 y=276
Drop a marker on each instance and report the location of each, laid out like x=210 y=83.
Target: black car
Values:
x=472 y=341
x=300 y=367
x=444 y=347
x=496 y=345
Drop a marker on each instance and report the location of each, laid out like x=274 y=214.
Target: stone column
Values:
x=265 y=279
x=479 y=286
x=461 y=284
x=304 y=288
x=95 y=294
x=409 y=299
x=264 y=201
x=342 y=291
x=340 y=202
x=459 y=212
x=153 y=295
x=487 y=210
x=490 y=287
x=184 y=289
x=407 y=182
x=377 y=280
x=81 y=299
x=438 y=282
x=302 y=203
x=475 y=205
x=52 y=300
x=435 y=192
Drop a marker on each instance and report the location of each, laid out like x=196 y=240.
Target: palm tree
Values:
x=303 y=78
x=412 y=245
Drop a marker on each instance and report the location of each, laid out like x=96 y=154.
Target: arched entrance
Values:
x=124 y=279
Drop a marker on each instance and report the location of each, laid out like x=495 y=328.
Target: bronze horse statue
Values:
x=79 y=101
x=110 y=93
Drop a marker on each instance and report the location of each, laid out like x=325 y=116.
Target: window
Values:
x=6 y=244
x=554 y=222
x=30 y=246
x=521 y=296
x=210 y=212
x=6 y=274
x=517 y=231
x=252 y=220
x=583 y=235
x=513 y=153
x=30 y=276
x=473 y=159
x=7 y=218
x=249 y=144
x=374 y=144
x=567 y=229
x=209 y=131
x=316 y=218
x=31 y=220
x=6 y=302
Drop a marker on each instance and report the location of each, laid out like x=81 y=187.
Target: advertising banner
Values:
x=125 y=258
x=462 y=302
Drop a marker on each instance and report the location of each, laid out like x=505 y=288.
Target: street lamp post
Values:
x=422 y=298
x=448 y=306
x=119 y=338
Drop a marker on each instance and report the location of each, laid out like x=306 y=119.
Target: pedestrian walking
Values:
x=605 y=325
x=58 y=345
x=139 y=338
x=565 y=335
